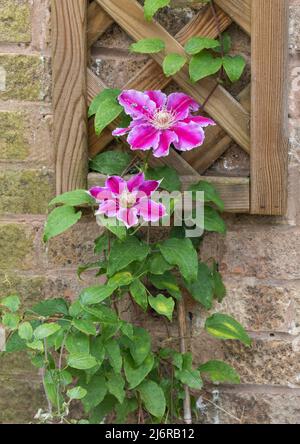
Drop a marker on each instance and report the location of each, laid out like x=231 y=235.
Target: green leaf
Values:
x=99 y=413
x=203 y=65
x=11 y=302
x=136 y=374
x=60 y=220
x=73 y=198
x=106 y=94
x=25 y=331
x=173 y=63
x=36 y=345
x=202 y=289
x=111 y=162
x=115 y=384
x=114 y=355
x=46 y=330
x=162 y=305
x=104 y=314
x=106 y=113
x=113 y=225
x=76 y=393
x=167 y=282
x=152 y=6
x=121 y=279
x=197 y=44
x=86 y=327
x=219 y=371
x=170 y=179
x=153 y=398
x=157 y=264
x=182 y=253
x=101 y=243
x=124 y=409
x=125 y=252
x=213 y=221
x=51 y=307
x=10 y=321
x=225 y=327
x=210 y=193
x=81 y=361
x=219 y=287
x=148 y=46
x=96 y=294
x=100 y=266
x=234 y=67
x=139 y=293
x=96 y=391
x=226 y=44
x=141 y=345
x=191 y=378
x=77 y=343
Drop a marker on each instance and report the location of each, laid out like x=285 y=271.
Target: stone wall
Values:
x=259 y=257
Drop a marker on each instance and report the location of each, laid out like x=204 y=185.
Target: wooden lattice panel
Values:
x=255 y=121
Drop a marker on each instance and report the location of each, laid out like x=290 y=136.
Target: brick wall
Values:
x=259 y=257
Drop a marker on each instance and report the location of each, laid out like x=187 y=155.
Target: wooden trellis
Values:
x=256 y=121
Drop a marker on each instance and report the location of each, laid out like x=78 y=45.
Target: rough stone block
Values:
x=76 y=246
x=25 y=191
x=15 y=21
x=262 y=306
x=250 y=406
x=261 y=251
x=22 y=77
x=16 y=246
x=13 y=143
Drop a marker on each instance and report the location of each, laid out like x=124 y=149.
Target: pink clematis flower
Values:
x=158 y=121
x=129 y=200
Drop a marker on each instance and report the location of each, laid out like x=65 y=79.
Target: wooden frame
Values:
x=247 y=122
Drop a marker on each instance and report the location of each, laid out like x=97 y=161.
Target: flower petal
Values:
x=109 y=208
x=158 y=97
x=150 y=211
x=200 y=120
x=190 y=135
x=120 y=131
x=143 y=137
x=100 y=193
x=166 y=138
x=137 y=104
x=135 y=182
x=181 y=104
x=147 y=188
x=128 y=216
x=116 y=184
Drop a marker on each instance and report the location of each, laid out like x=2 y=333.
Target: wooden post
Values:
x=69 y=64
x=269 y=141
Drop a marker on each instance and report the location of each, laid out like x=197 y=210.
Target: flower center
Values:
x=163 y=119
x=127 y=200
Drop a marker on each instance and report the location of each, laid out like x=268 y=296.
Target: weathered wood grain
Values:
x=69 y=50
x=239 y=11
x=269 y=150
x=98 y=23
x=234 y=191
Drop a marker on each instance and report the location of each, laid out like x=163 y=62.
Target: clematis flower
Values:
x=129 y=200
x=158 y=121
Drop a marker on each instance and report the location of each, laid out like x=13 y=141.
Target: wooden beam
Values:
x=98 y=23
x=233 y=190
x=216 y=141
x=269 y=151
x=69 y=49
x=222 y=106
x=239 y=11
